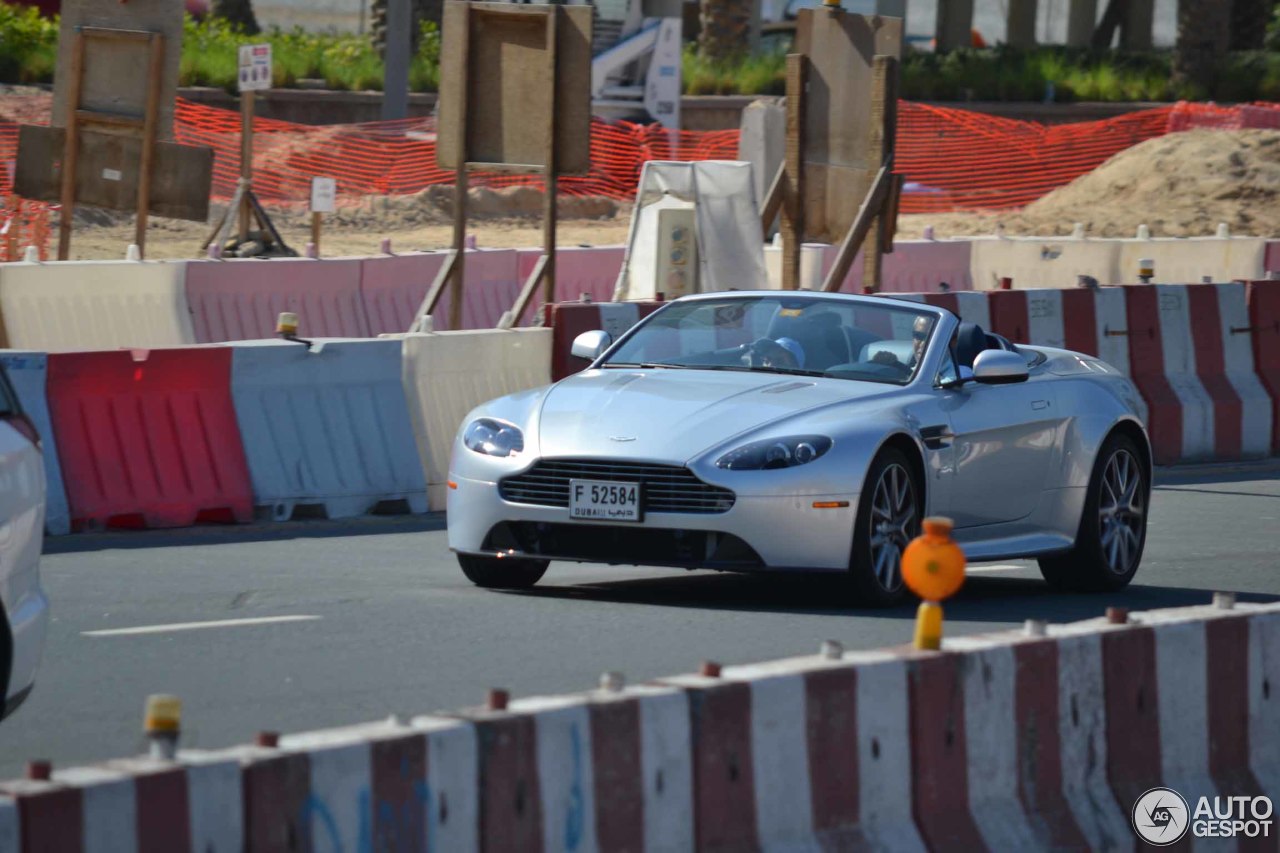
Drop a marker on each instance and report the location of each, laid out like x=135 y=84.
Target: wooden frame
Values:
x=839 y=147
x=493 y=134
x=77 y=117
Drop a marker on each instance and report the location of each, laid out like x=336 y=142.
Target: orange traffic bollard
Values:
x=933 y=568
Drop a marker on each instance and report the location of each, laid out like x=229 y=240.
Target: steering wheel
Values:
x=764 y=352
x=888 y=363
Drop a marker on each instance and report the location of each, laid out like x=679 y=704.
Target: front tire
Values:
x=502 y=572
x=889 y=514
x=1113 y=529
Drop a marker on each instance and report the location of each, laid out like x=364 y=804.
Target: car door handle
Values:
x=1039 y=404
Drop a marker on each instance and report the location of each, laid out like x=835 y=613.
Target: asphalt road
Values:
x=399 y=630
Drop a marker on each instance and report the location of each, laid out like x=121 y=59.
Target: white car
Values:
x=793 y=431
x=22 y=508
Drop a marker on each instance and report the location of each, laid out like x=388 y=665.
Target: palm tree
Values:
x=239 y=13
x=1204 y=34
x=724 y=28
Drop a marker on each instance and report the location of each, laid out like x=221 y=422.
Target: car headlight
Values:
x=775 y=453
x=493 y=438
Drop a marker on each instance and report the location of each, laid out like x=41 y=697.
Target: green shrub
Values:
x=28 y=53
x=28 y=45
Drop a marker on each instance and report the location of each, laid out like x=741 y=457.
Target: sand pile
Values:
x=1181 y=185
x=434 y=206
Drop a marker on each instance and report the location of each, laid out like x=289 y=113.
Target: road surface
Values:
x=395 y=628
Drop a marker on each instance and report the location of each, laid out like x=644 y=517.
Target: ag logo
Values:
x=1161 y=816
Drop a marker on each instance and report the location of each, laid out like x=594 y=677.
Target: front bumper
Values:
x=780 y=532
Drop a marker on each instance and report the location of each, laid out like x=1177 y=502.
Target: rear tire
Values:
x=889 y=515
x=502 y=572
x=1113 y=528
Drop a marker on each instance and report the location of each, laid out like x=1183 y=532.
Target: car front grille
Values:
x=664 y=488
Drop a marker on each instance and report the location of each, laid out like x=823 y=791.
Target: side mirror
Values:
x=999 y=367
x=590 y=345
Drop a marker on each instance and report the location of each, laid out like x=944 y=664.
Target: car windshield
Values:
x=862 y=340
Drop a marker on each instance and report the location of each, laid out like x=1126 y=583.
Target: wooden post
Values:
x=71 y=149
x=317 y=219
x=246 y=160
x=549 y=206
x=457 y=272
x=793 y=207
x=880 y=147
x=14 y=205
x=150 y=117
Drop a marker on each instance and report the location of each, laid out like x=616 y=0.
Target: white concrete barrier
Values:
x=447 y=374
x=1190 y=260
x=1041 y=261
x=84 y=305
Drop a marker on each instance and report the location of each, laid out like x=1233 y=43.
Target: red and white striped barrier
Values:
x=1197 y=377
x=1020 y=740
x=1263 y=300
x=127 y=805
x=1188 y=349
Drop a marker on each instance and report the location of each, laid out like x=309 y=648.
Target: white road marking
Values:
x=975 y=570
x=196 y=626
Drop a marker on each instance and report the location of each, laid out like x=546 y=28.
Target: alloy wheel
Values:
x=894 y=523
x=1121 y=511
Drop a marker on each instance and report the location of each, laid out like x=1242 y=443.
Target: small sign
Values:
x=255 y=67
x=324 y=195
x=112 y=175
x=662 y=86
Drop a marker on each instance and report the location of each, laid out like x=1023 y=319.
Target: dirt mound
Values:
x=1181 y=185
x=434 y=206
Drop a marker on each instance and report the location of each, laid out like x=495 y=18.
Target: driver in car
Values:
x=792 y=346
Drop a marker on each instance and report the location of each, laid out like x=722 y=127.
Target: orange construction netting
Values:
x=952 y=159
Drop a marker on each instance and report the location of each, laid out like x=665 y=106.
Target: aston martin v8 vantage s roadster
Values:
x=796 y=431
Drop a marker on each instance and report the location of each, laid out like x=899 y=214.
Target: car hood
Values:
x=673 y=415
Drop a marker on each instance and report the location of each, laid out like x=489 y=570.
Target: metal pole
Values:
x=1081 y=16
x=953 y=23
x=395 y=81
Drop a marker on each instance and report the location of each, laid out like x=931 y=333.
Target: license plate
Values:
x=599 y=500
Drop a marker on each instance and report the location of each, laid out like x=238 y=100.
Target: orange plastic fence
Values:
x=22 y=224
x=952 y=159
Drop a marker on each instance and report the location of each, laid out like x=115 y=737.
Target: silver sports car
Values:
x=796 y=431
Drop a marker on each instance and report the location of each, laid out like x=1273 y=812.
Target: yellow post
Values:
x=929 y=626
x=933 y=568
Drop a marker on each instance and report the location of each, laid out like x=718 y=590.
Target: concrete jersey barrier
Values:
x=1190 y=259
x=1013 y=740
x=447 y=374
x=85 y=305
x=392 y=288
x=326 y=425
x=1039 y=262
x=240 y=300
x=148 y=438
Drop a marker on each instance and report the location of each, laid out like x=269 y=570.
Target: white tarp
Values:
x=727 y=217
